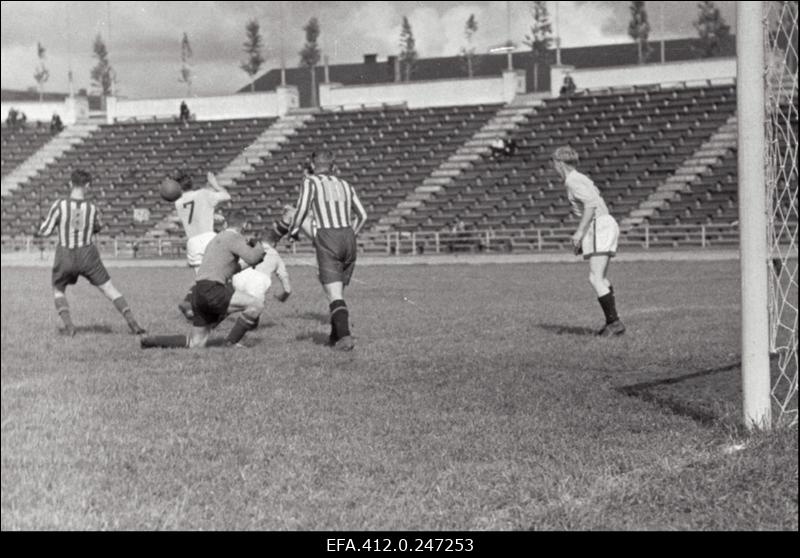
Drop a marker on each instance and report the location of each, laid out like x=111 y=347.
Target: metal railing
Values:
x=394 y=243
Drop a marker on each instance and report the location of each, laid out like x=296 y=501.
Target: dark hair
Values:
x=80 y=177
x=324 y=158
x=184 y=179
x=236 y=218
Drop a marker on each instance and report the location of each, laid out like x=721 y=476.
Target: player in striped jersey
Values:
x=195 y=209
x=76 y=255
x=331 y=200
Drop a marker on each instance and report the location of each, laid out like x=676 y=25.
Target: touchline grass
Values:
x=476 y=399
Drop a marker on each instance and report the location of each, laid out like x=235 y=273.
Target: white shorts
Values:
x=252 y=282
x=601 y=238
x=196 y=248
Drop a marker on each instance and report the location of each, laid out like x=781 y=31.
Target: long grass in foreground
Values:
x=476 y=399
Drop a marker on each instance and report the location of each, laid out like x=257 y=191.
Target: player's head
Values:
x=273 y=235
x=237 y=220
x=185 y=180
x=564 y=160
x=80 y=179
x=220 y=224
x=323 y=161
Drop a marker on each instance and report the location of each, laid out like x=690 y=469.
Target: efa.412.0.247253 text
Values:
x=392 y=544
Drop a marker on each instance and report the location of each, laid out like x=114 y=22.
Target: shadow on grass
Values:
x=247 y=342
x=315 y=316
x=568 y=330
x=96 y=328
x=317 y=337
x=678 y=405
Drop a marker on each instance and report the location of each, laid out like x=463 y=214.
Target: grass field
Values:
x=476 y=399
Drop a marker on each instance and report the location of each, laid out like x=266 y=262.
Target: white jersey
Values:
x=196 y=210
x=583 y=194
x=257 y=280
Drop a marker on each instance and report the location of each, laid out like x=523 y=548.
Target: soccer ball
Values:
x=169 y=189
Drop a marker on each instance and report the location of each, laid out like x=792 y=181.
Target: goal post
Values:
x=766 y=50
x=752 y=214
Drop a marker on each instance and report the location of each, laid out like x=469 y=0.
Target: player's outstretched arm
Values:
x=222 y=193
x=53 y=217
x=252 y=255
x=283 y=277
x=303 y=207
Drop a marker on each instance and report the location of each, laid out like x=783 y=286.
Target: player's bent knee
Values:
x=109 y=291
x=253 y=311
x=59 y=294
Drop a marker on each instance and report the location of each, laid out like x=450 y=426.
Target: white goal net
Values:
x=781 y=122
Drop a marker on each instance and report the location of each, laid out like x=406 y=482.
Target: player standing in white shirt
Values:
x=195 y=209
x=597 y=234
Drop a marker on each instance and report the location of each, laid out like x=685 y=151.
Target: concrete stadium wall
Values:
x=418 y=94
x=70 y=110
x=223 y=107
x=645 y=74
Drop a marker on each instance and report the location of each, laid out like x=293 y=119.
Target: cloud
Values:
x=145 y=36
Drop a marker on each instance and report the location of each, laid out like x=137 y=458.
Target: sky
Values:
x=144 y=38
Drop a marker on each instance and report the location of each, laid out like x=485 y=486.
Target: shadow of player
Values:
x=317 y=337
x=95 y=328
x=315 y=316
x=568 y=330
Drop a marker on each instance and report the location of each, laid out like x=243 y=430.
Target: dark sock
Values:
x=122 y=306
x=62 y=307
x=242 y=326
x=608 y=304
x=165 y=341
x=340 y=326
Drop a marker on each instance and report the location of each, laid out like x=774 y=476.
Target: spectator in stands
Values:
x=185 y=115
x=11 y=119
x=497 y=147
x=568 y=87
x=510 y=147
x=22 y=120
x=502 y=147
x=55 y=124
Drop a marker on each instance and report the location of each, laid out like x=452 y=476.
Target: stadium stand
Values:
x=629 y=143
x=127 y=161
x=19 y=143
x=384 y=151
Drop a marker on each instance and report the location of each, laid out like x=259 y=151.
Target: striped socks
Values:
x=340 y=318
x=62 y=307
x=122 y=307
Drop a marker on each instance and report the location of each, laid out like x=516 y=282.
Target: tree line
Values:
x=713 y=35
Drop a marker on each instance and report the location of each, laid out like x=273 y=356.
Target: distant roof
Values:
x=18 y=95
x=32 y=96
x=373 y=71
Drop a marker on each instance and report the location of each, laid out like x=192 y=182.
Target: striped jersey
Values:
x=196 y=210
x=77 y=222
x=331 y=201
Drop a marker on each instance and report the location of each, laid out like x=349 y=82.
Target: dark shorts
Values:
x=69 y=264
x=336 y=254
x=210 y=301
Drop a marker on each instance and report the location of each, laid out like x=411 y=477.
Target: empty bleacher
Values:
x=629 y=142
x=385 y=152
x=127 y=161
x=19 y=143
